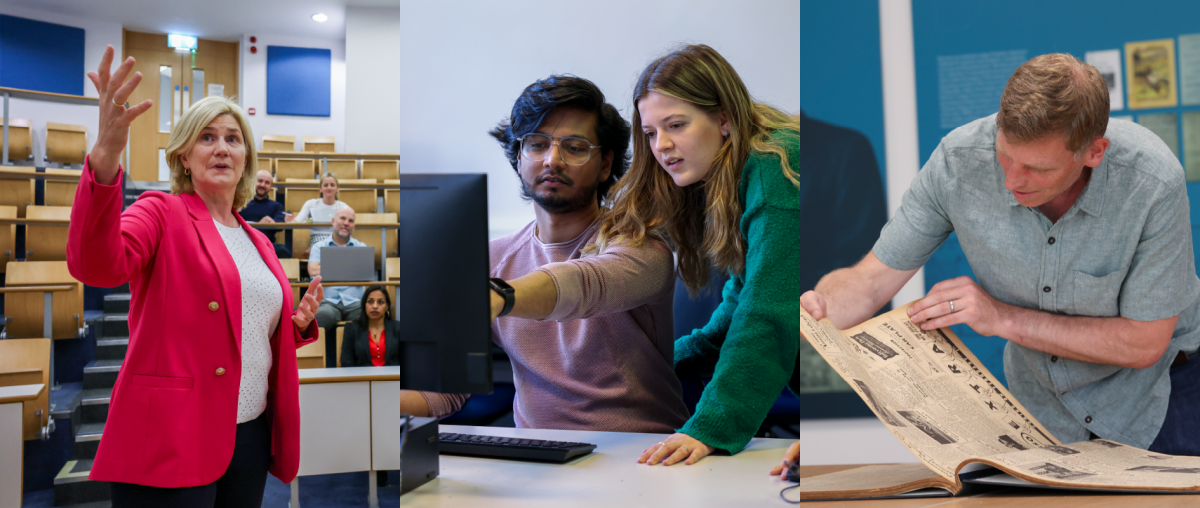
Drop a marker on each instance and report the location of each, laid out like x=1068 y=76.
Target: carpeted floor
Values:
x=324 y=491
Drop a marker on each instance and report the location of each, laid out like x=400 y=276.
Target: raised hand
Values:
x=307 y=311
x=113 y=131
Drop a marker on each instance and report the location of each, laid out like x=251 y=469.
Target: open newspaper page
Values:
x=928 y=389
x=1101 y=464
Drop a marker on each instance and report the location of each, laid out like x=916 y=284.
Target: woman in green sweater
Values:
x=713 y=172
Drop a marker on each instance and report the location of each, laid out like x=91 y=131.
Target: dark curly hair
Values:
x=541 y=97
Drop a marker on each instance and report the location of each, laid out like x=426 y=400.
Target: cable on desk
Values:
x=784 y=491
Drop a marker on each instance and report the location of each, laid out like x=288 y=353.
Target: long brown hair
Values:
x=700 y=220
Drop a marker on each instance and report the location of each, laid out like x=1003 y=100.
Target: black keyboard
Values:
x=511 y=447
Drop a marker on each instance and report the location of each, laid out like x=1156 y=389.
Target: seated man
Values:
x=1076 y=227
x=590 y=336
x=266 y=210
x=341 y=302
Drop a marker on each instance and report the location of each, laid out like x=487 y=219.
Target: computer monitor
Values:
x=445 y=307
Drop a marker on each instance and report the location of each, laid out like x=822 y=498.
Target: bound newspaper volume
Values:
x=963 y=425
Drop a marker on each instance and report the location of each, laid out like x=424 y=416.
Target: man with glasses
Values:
x=590 y=336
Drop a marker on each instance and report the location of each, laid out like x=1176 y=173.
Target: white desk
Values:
x=12 y=440
x=349 y=421
x=608 y=477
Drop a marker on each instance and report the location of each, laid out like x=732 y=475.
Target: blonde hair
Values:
x=701 y=221
x=329 y=174
x=187 y=130
x=1055 y=94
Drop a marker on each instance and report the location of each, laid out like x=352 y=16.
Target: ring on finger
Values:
x=119 y=105
x=686 y=450
x=952 y=311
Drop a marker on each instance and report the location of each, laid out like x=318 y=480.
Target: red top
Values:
x=173 y=418
x=377 y=348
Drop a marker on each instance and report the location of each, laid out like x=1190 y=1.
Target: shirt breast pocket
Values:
x=1098 y=296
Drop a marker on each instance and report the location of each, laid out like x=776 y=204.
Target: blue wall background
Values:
x=40 y=56
x=957 y=27
x=298 y=81
x=841 y=75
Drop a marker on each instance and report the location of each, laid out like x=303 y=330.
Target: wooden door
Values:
x=173 y=80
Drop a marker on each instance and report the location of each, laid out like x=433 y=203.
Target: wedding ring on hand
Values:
x=952 y=311
x=122 y=106
x=686 y=450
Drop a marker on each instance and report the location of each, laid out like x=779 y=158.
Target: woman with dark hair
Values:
x=715 y=173
x=373 y=340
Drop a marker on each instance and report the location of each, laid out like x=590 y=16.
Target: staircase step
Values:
x=72 y=485
x=100 y=374
x=112 y=348
x=113 y=326
x=87 y=441
x=116 y=303
x=93 y=405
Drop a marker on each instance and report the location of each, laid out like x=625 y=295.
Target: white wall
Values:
x=97 y=35
x=372 y=79
x=253 y=91
x=850 y=441
x=462 y=68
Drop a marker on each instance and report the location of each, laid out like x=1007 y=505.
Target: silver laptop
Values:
x=348 y=264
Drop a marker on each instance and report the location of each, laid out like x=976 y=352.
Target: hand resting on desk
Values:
x=791 y=456
x=674 y=449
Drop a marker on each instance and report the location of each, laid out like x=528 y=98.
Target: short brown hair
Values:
x=1055 y=94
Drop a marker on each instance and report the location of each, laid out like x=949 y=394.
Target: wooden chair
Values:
x=291 y=270
x=312 y=356
x=303 y=169
x=344 y=170
x=65 y=143
x=293 y=201
x=393 y=274
x=17 y=192
x=391 y=198
x=26 y=309
x=20 y=140
x=27 y=361
x=266 y=164
x=61 y=193
x=371 y=236
x=8 y=237
x=317 y=144
x=278 y=143
x=381 y=170
x=46 y=243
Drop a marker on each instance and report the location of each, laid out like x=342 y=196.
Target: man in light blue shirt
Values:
x=340 y=303
x=1077 y=228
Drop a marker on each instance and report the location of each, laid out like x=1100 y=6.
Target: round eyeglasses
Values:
x=572 y=150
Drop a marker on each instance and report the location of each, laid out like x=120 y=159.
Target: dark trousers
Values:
x=1178 y=435
x=242 y=484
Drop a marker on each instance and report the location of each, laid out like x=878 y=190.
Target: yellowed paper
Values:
x=1150 y=71
x=932 y=393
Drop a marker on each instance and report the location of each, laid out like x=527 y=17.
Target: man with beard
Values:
x=590 y=336
x=264 y=209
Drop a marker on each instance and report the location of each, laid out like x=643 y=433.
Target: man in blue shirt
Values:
x=266 y=210
x=1077 y=229
x=340 y=303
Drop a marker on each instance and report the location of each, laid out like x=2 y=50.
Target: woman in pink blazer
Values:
x=207 y=398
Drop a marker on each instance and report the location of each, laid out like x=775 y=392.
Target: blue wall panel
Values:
x=298 y=81
x=957 y=27
x=40 y=56
x=841 y=76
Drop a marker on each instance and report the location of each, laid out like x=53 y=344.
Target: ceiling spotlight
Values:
x=320 y=18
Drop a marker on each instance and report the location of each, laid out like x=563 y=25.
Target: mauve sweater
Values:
x=603 y=359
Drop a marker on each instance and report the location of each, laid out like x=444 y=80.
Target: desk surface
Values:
x=20 y=393
x=1006 y=498
x=608 y=477
x=349 y=374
